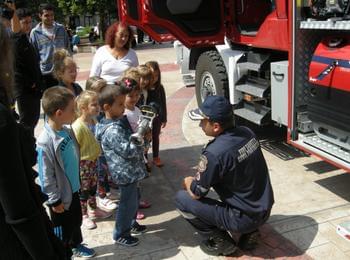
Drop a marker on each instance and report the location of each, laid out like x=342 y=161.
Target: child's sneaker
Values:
x=127 y=241
x=157 y=162
x=144 y=204
x=83 y=251
x=138 y=229
x=99 y=214
x=140 y=215
x=88 y=223
x=107 y=204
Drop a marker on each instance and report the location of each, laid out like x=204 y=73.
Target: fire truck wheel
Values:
x=211 y=76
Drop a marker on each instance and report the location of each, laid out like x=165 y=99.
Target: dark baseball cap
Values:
x=214 y=108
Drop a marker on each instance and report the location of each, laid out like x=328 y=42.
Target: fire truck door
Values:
x=195 y=23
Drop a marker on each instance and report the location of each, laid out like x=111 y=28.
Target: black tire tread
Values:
x=213 y=57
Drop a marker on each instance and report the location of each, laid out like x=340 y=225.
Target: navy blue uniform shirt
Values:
x=233 y=164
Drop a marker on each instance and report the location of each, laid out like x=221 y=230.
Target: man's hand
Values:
x=187 y=182
x=15 y=24
x=187 y=186
x=58 y=209
x=148 y=135
x=163 y=124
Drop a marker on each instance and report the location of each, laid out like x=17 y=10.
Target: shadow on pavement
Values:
x=170 y=235
x=161 y=241
x=175 y=237
x=160 y=188
x=338 y=184
x=284 y=236
x=320 y=167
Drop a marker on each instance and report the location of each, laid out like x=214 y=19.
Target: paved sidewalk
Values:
x=311 y=196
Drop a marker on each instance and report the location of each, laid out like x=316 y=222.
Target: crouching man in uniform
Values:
x=234 y=166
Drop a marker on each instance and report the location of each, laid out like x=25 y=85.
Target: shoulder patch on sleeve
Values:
x=202 y=164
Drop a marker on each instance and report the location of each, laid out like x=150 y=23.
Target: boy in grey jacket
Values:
x=58 y=160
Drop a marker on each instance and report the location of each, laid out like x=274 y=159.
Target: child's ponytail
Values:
x=60 y=61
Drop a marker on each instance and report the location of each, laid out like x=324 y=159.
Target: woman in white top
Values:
x=112 y=59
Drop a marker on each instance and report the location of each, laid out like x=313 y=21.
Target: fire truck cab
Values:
x=280 y=61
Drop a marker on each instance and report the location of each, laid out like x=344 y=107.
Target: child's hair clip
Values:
x=128 y=83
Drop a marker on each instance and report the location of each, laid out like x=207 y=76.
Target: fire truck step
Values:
x=327 y=147
x=254 y=61
x=250 y=113
x=253 y=89
x=249 y=66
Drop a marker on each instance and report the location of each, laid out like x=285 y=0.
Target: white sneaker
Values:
x=107 y=204
x=88 y=223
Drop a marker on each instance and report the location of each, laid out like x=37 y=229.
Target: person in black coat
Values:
x=25 y=230
x=28 y=82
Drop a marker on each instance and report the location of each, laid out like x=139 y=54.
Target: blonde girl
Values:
x=83 y=127
x=105 y=197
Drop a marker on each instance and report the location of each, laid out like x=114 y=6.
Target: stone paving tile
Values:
x=329 y=231
x=348 y=254
x=196 y=253
x=149 y=244
x=331 y=214
x=306 y=237
x=327 y=251
x=173 y=253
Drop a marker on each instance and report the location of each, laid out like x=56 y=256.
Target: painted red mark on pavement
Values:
x=176 y=105
x=169 y=67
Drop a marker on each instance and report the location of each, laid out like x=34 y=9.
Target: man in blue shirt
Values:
x=233 y=165
x=47 y=37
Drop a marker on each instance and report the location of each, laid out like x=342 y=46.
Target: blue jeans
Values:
x=127 y=210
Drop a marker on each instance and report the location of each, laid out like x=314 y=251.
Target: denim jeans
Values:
x=127 y=209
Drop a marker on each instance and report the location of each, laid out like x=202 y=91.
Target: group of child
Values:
x=86 y=137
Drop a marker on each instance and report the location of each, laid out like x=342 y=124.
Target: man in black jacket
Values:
x=28 y=83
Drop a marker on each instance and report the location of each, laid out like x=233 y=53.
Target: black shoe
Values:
x=219 y=244
x=127 y=241
x=249 y=241
x=138 y=229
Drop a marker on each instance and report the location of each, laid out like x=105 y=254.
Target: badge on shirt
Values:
x=202 y=166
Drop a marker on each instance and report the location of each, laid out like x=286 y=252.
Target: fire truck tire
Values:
x=211 y=76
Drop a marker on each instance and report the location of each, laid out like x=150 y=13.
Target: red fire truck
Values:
x=281 y=61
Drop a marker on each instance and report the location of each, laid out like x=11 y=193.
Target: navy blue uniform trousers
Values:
x=214 y=214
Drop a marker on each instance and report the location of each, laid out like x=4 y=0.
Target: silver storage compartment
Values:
x=279 y=92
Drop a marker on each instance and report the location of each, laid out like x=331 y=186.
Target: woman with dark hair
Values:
x=112 y=59
x=25 y=230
